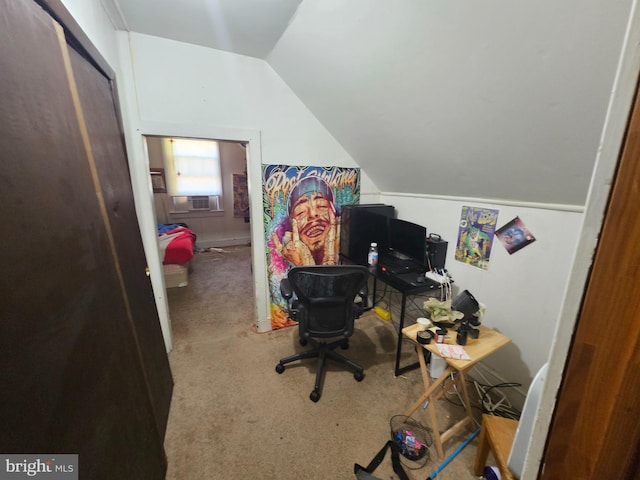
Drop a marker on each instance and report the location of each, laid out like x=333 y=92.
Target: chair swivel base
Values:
x=322 y=351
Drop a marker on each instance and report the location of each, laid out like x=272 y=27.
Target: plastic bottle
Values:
x=492 y=473
x=436 y=366
x=372 y=257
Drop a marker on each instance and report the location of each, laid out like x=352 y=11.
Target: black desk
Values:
x=407 y=285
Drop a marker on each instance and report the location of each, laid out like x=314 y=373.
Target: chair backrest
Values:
x=326 y=298
x=522 y=438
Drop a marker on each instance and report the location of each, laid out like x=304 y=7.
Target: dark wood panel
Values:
x=108 y=152
x=71 y=371
x=595 y=431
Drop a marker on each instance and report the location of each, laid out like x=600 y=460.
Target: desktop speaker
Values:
x=436 y=252
x=467 y=304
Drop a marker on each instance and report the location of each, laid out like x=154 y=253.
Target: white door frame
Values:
x=254 y=181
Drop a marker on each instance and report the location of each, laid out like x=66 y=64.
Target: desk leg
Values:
x=398 y=370
x=375 y=289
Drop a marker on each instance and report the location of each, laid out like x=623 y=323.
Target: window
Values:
x=193 y=167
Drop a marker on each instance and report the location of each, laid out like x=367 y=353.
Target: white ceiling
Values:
x=491 y=99
x=246 y=27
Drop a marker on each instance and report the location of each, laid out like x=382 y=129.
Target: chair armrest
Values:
x=285 y=289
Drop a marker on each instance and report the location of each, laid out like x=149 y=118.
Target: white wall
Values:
x=174 y=88
x=523 y=291
x=95 y=23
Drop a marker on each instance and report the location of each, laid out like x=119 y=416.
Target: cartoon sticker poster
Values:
x=302 y=207
x=475 y=236
x=514 y=235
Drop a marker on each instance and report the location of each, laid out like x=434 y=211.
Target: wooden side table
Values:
x=487 y=343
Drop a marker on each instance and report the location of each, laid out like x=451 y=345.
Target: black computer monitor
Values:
x=361 y=225
x=409 y=239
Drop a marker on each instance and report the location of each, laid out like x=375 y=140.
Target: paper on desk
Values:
x=452 y=351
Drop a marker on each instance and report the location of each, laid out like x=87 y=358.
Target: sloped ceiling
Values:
x=492 y=99
x=246 y=27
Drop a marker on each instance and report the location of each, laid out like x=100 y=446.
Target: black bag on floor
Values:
x=363 y=473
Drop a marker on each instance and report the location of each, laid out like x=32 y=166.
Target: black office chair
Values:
x=327 y=301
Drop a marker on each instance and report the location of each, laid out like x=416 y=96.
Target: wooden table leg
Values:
x=446 y=382
x=429 y=388
x=437 y=439
x=465 y=395
x=468 y=418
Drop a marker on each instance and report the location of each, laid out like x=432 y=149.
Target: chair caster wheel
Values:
x=303 y=342
x=315 y=396
x=358 y=376
x=345 y=345
x=279 y=368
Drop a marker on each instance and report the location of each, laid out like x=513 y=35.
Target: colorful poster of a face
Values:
x=302 y=207
x=475 y=236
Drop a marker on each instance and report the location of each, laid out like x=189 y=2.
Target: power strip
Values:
x=436 y=277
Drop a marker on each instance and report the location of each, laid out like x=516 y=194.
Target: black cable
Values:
x=491 y=387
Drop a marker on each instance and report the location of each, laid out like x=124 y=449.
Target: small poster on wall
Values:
x=514 y=235
x=475 y=236
x=302 y=207
x=240 y=196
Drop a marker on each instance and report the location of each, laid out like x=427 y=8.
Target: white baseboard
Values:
x=224 y=242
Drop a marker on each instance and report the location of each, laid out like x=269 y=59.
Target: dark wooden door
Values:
x=107 y=149
x=82 y=362
x=595 y=432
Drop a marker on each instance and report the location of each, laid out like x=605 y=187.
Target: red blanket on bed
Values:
x=177 y=245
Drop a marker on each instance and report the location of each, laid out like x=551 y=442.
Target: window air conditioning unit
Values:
x=199 y=203
x=196 y=203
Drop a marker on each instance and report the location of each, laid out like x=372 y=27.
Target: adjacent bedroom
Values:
x=201 y=201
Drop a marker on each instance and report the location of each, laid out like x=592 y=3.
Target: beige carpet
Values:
x=233 y=417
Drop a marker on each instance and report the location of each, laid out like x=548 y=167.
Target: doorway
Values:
x=201 y=201
x=217 y=220
x=251 y=139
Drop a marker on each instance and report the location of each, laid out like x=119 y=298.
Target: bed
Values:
x=177 y=244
